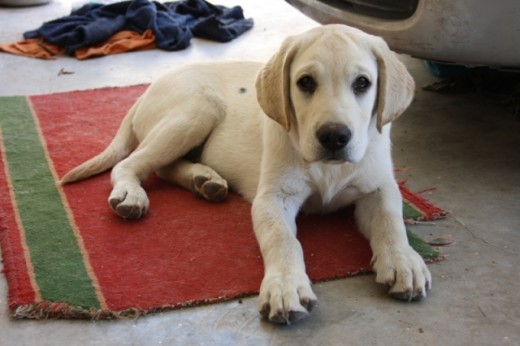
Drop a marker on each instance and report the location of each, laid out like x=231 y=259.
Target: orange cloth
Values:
x=33 y=47
x=123 y=41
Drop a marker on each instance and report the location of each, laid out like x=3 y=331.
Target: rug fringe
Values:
x=59 y=311
x=428 y=210
x=51 y=310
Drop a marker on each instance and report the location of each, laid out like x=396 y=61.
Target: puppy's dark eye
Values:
x=360 y=85
x=307 y=84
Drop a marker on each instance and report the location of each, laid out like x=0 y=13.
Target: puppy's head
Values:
x=331 y=88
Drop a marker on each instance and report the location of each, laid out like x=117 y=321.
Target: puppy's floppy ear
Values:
x=395 y=84
x=273 y=85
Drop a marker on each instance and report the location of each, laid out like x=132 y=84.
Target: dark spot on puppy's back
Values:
x=242 y=90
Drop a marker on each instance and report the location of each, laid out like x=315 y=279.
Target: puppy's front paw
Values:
x=129 y=201
x=286 y=298
x=403 y=270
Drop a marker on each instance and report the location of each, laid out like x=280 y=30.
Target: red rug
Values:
x=67 y=255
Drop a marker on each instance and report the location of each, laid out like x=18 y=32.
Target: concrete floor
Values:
x=463 y=146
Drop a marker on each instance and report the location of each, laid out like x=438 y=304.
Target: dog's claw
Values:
x=279 y=318
x=309 y=304
x=404 y=273
x=297 y=315
x=282 y=317
x=286 y=299
x=264 y=311
x=408 y=296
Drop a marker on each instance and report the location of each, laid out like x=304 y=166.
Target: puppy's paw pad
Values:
x=211 y=189
x=130 y=211
x=114 y=202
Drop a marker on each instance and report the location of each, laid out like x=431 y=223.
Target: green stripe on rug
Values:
x=409 y=212
x=423 y=249
x=58 y=263
x=428 y=253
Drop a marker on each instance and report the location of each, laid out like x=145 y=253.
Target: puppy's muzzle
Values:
x=333 y=136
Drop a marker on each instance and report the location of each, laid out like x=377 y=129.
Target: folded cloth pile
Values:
x=96 y=29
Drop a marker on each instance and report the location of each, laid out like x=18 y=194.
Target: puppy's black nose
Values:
x=333 y=136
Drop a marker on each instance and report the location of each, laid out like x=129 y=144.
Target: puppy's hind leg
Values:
x=200 y=179
x=168 y=141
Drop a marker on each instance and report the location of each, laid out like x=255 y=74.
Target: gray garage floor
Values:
x=463 y=146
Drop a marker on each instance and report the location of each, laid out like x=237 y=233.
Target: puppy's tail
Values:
x=121 y=146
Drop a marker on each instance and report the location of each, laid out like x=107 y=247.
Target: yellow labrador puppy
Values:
x=305 y=131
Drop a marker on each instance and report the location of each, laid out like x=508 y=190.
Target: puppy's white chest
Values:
x=333 y=188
